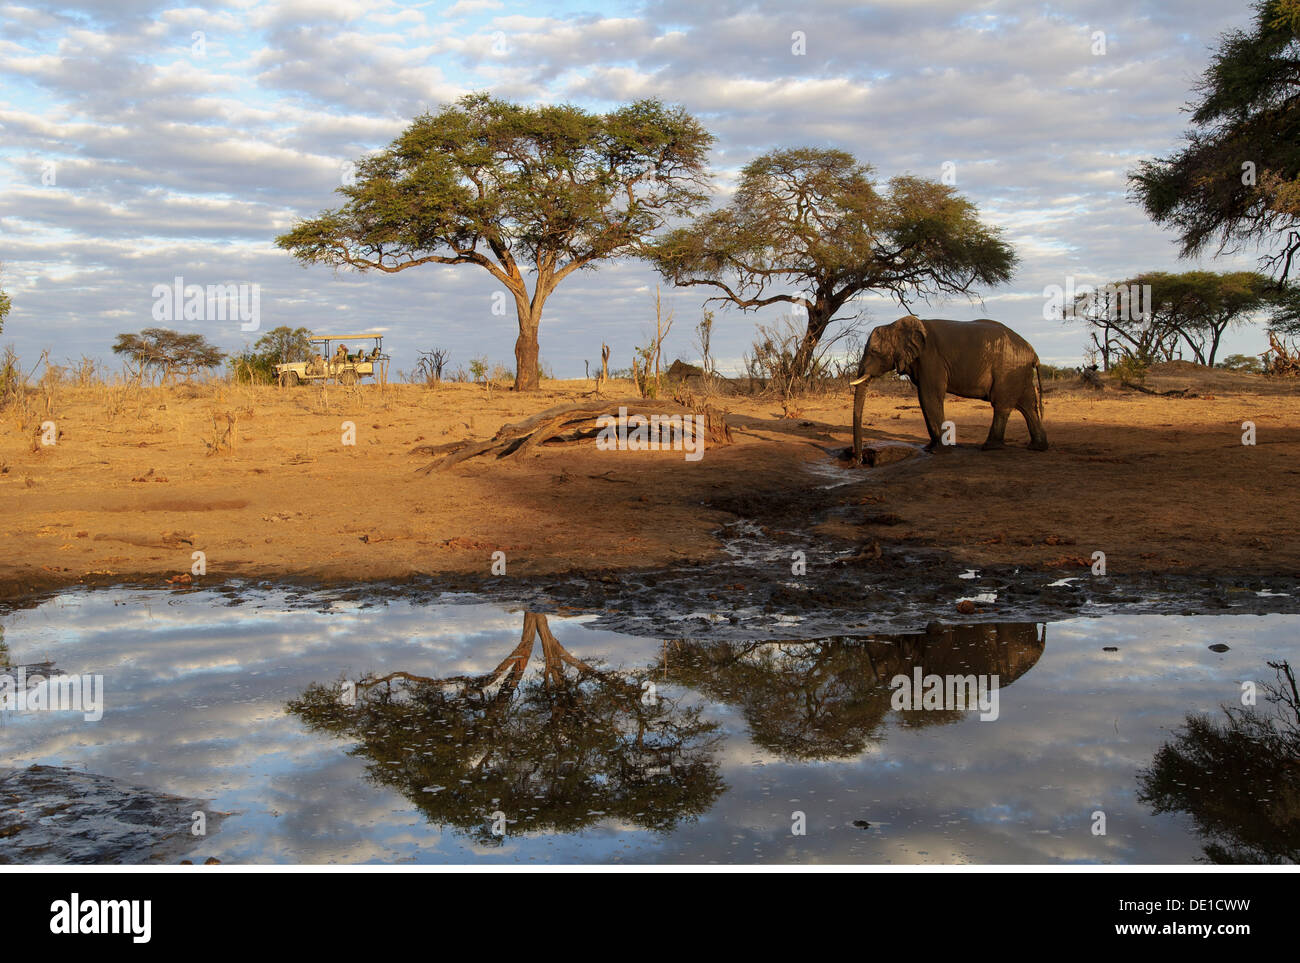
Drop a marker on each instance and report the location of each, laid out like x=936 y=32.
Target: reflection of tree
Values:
x=556 y=752
x=826 y=698
x=1238 y=779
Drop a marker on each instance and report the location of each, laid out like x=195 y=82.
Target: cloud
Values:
x=170 y=160
x=465 y=7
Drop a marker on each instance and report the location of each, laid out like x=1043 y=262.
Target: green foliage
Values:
x=1242 y=362
x=1200 y=770
x=1131 y=369
x=559 y=749
x=167 y=353
x=280 y=345
x=513 y=189
x=1190 y=310
x=814 y=220
x=1054 y=372
x=648 y=384
x=1238 y=179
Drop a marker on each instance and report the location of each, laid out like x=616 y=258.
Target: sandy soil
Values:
x=139 y=480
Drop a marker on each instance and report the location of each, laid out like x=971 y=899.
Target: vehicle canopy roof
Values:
x=344 y=337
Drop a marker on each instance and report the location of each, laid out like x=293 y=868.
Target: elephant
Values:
x=972 y=359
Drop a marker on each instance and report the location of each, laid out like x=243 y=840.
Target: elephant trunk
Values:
x=859 y=397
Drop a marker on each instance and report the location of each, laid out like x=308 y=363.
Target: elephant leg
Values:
x=1037 y=433
x=932 y=410
x=997 y=430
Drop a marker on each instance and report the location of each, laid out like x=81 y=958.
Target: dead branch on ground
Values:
x=574 y=422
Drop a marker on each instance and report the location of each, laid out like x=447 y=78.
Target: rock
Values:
x=679 y=371
x=868 y=553
x=1218 y=647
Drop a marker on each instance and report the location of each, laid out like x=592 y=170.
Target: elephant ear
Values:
x=911 y=339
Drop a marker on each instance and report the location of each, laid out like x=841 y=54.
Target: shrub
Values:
x=1131 y=369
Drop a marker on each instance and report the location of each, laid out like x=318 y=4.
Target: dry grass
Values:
x=1141 y=475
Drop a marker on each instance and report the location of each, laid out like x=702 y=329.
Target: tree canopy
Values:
x=1201 y=770
x=167 y=353
x=813 y=220
x=544 y=190
x=1191 y=310
x=280 y=345
x=1237 y=180
x=556 y=751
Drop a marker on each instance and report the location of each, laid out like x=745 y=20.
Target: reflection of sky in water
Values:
x=196 y=693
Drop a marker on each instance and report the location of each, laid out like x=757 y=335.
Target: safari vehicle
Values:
x=338 y=364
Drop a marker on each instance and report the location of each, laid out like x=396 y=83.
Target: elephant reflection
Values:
x=825 y=699
x=556 y=752
x=1238 y=778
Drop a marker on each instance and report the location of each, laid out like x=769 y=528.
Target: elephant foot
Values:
x=992 y=445
x=1038 y=445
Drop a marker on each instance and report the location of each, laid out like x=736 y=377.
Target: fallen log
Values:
x=1173 y=393
x=573 y=422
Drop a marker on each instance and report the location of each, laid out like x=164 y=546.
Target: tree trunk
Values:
x=527 y=377
x=818 y=320
x=1214 y=342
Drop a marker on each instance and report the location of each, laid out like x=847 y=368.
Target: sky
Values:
x=142 y=141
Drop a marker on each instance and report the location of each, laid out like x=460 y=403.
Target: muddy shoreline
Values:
x=750 y=591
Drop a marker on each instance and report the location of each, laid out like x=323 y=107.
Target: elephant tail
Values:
x=1038 y=373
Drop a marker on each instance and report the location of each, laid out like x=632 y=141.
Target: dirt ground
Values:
x=260 y=481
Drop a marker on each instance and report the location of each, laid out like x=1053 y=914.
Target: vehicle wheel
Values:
x=347 y=377
x=289 y=379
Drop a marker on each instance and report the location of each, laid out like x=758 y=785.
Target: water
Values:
x=587 y=745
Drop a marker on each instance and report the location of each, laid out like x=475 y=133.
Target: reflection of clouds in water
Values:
x=196 y=694
x=1023 y=788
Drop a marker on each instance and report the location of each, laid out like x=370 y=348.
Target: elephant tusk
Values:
x=860 y=380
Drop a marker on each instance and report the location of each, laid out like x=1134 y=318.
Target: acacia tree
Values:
x=167 y=352
x=514 y=189
x=1237 y=181
x=1194 y=309
x=558 y=750
x=813 y=220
